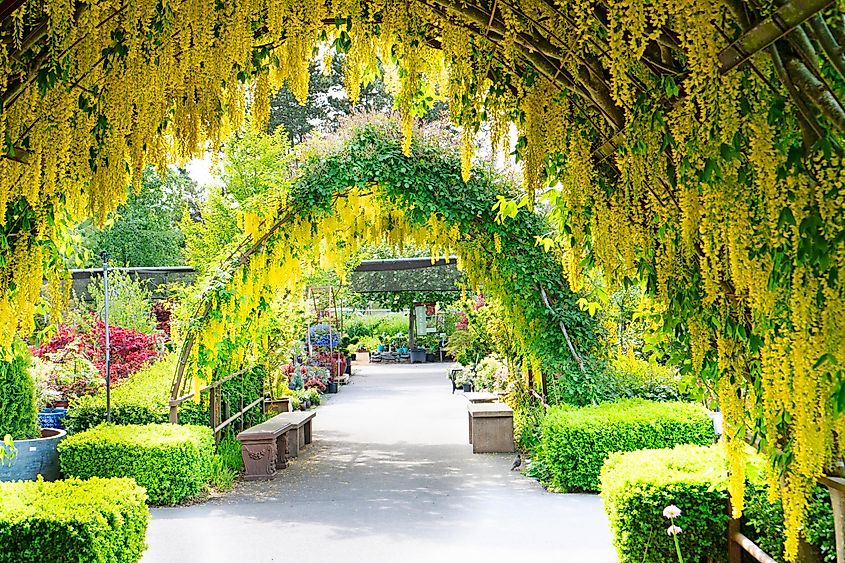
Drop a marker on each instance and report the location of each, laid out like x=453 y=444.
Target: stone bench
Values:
x=481 y=397
x=265 y=447
x=300 y=422
x=490 y=428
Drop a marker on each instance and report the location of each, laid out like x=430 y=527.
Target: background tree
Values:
x=145 y=230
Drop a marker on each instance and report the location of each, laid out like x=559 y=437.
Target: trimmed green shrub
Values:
x=18 y=413
x=575 y=442
x=637 y=486
x=72 y=521
x=141 y=399
x=172 y=462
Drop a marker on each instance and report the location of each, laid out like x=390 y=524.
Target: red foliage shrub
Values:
x=130 y=350
x=163 y=313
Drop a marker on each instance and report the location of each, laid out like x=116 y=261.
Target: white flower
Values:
x=671 y=511
x=673 y=530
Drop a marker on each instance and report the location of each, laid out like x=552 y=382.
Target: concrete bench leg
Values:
x=492 y=435
x=469 y=415
x=282 y=451
x=259 y=459
x=293 y=441
x=308 y=432
x=301 y=435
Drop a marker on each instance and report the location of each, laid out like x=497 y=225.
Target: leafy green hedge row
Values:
x=575 y=442
x=98 y=520
x=18 y=413
x=145 y=398
x=172 y=462
x=637 y=486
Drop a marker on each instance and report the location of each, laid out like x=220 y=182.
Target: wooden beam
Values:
x=8 y=7
x=781 y=23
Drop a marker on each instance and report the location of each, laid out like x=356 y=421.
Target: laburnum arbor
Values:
x=692 y=144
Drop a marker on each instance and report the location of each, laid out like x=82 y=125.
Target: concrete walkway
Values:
x=390 y=477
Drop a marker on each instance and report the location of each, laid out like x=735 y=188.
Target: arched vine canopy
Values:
x=362 y=190
x=694 y=144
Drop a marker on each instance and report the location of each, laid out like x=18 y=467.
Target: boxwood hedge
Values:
x=171 y=462
x=72 y=521
x=575 y=442
x=637 y=486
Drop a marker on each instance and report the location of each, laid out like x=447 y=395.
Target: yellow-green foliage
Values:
x=172 y=462
x=141 y=399
x=575 y=442
x=72 y=521
x=637 y=486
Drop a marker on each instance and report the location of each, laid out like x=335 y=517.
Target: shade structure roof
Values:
x=405 y=275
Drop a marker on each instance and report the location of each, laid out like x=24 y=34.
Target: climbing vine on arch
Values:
x=698 y=146
x=365 y=190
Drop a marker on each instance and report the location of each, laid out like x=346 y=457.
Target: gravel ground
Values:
x=389 y=477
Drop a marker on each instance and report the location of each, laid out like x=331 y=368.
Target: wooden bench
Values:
x=265 y=447
x=490 y=428
x=300 y=431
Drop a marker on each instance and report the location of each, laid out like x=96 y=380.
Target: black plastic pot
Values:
x=331 y=387
x=467 y=387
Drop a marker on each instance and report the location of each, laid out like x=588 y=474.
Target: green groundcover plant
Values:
x=575 y=442
x=72 y=521
x=171 y=462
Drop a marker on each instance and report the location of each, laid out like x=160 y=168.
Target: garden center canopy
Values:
x=405 y=275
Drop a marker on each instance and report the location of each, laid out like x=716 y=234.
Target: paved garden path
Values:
x=389 y=478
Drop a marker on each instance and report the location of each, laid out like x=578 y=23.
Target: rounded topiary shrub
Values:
x=72 y=521
x=171 y=462
x=575 y=442
x=18 y=413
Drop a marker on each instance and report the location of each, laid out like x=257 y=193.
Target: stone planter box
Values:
x=35 y=457
x=276 y=406
x=362 y=357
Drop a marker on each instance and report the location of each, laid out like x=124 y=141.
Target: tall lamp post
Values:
x=105 y=257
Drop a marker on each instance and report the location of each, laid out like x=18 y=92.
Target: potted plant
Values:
x=418 y=355
x=46 y=397
x=35 y=450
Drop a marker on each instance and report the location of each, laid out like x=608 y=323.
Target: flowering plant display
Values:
x=324 y=336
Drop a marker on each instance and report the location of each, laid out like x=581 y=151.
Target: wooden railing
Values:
x=737 y=543
x=215 y=404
